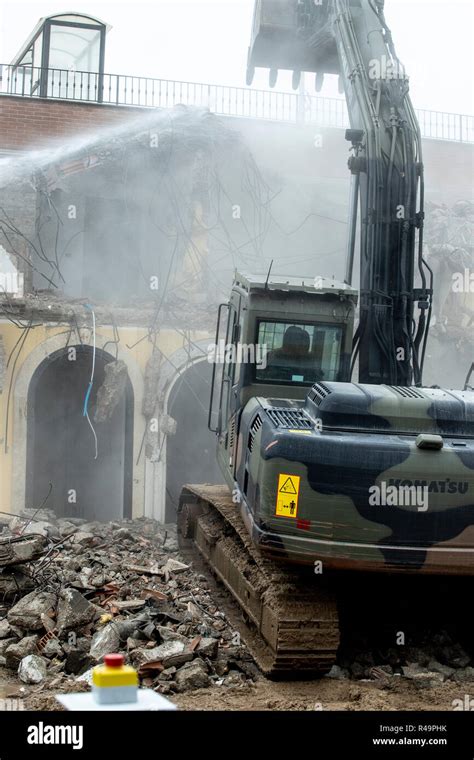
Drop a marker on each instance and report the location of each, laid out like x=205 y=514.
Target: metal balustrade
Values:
x=243 y=102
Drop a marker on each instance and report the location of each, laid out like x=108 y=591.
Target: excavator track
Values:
x=292 y=626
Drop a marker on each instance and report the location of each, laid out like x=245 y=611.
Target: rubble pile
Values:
x=72 y=591
x=433 y=657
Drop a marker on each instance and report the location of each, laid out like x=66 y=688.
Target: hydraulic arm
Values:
x=351 y=37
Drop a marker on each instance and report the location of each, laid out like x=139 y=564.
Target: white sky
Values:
x=201 y=41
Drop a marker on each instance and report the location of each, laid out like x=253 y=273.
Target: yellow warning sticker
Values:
x=287 y=495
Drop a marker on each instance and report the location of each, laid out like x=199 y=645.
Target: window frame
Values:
x=310 y=323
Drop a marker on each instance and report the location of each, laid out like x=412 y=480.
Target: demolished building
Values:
x=120 y=227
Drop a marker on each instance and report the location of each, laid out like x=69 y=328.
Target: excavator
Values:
x=323 y=473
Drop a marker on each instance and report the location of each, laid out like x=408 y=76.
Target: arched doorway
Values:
x=191 y=452
x=60 y=442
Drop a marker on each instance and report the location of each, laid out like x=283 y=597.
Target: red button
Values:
x=114 y=660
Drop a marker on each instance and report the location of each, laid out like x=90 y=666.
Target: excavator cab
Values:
x=276 y=337
x=292 y=35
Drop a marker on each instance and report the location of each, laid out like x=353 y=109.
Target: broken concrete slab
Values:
x=154 y=569
x=32 y=669
x=174 y=566
x=170 y=653
x=421 y=676
x=26 y=613
x=463 y=674
x=74 y=610
x=127 y=604
x=105 y=641
x=33 y=527
x=5 y=629
x=338 y=672
x=5 y=643
x=84 y=538
x=168 y=634
x=234 y=678
x=15 y=652
x=193 y=675
x=208 y=647
x=13 y=582
x=167 y=674
x=52 y=648
x=78 y=661
x=438 y=667
x=16 y=550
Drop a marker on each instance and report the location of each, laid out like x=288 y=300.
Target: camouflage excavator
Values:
x=321 y=471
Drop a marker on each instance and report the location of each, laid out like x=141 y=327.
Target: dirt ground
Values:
x=325 y=694
x=319 y=694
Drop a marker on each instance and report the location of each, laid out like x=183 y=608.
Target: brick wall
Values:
x=32 y=123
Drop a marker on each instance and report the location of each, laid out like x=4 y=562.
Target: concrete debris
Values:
x=124 y=587
x=168 y=634
x=422 y=676
x=26 y=613
x=16 y=550
x=5 y=629
x=117 y=587
x=170 y=653
x=111 y=390
x=463 y=674
x=77 y=661
x=208 y=647
x=32 y=669
x=337 y=672
x=168 y=425
x=14 y=582
x=438 y=667
x=15 y=652
x=35 y=528
x=5 y=643
x=128 y=604
x=74 y=610
x=105 y=641
x=52 y=649
x=174 y=566
x=193 y=675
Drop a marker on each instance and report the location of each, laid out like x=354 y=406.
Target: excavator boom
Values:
x=351 y=38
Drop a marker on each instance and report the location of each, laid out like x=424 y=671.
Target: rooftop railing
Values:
x=243 y=102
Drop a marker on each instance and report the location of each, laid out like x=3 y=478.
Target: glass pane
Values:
x=38 y=50
x=74 y=49
x=27 y=59
x=215 y=356
x=298 y=353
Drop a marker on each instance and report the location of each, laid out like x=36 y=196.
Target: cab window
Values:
x=298 y=353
